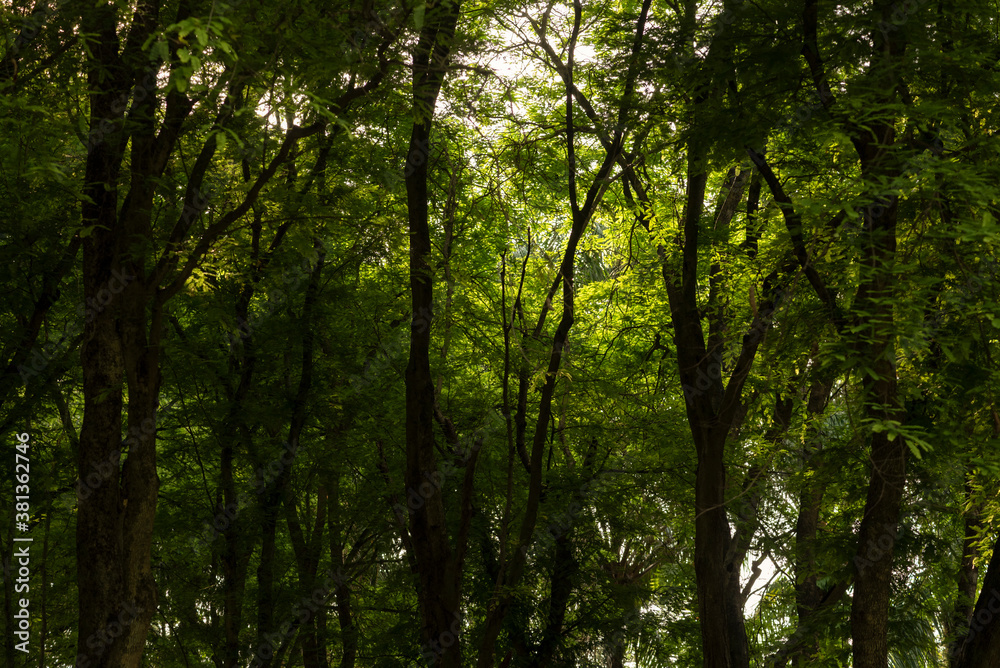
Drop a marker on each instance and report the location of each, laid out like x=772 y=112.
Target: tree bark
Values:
x=439 y=565
x=342 y=592
x=274 y=495
x=712 y=411
x=114 y=518
x=118 y=485
x=877 y=534
x=981 y=647
x=967 y=581
x=513 y=565
x=307 y=550
x=808 y=595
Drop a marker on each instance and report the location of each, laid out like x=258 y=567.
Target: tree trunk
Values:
x=877 y=534
x=808 y=595
x=274 y=496
x=238 y=541
x=235 y=560
x=874 y=299
x=711 y=540
x=342 y=591
x=100 y=542
x=712 y=410
x=439 y=566
x=967 y=581
x=981 y=647
x=307 y=550
x=118 y=486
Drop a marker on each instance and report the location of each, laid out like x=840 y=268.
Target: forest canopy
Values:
x=500 y=334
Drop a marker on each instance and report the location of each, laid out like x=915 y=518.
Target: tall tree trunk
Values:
x=967 y=581
x=307 y=550
x=711 y=540
x=235 y=557
x=237 y=540
x=439 y=565
x=105 y=611
x=808 y=595
x=118 y=485
x=564 y=569
x=342 y=592
x=274 y=495
x=874 y=299
x=877 y=534
x=514 y=562
x=712 y=410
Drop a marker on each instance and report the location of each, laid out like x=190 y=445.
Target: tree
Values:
x=532 y=335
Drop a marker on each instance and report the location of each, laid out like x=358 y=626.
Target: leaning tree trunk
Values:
x=977 y=641
x=981 y=647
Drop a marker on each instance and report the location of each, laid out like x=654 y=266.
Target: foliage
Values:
x=309 y=281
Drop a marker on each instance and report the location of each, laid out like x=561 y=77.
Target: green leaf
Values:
x=160 y=51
